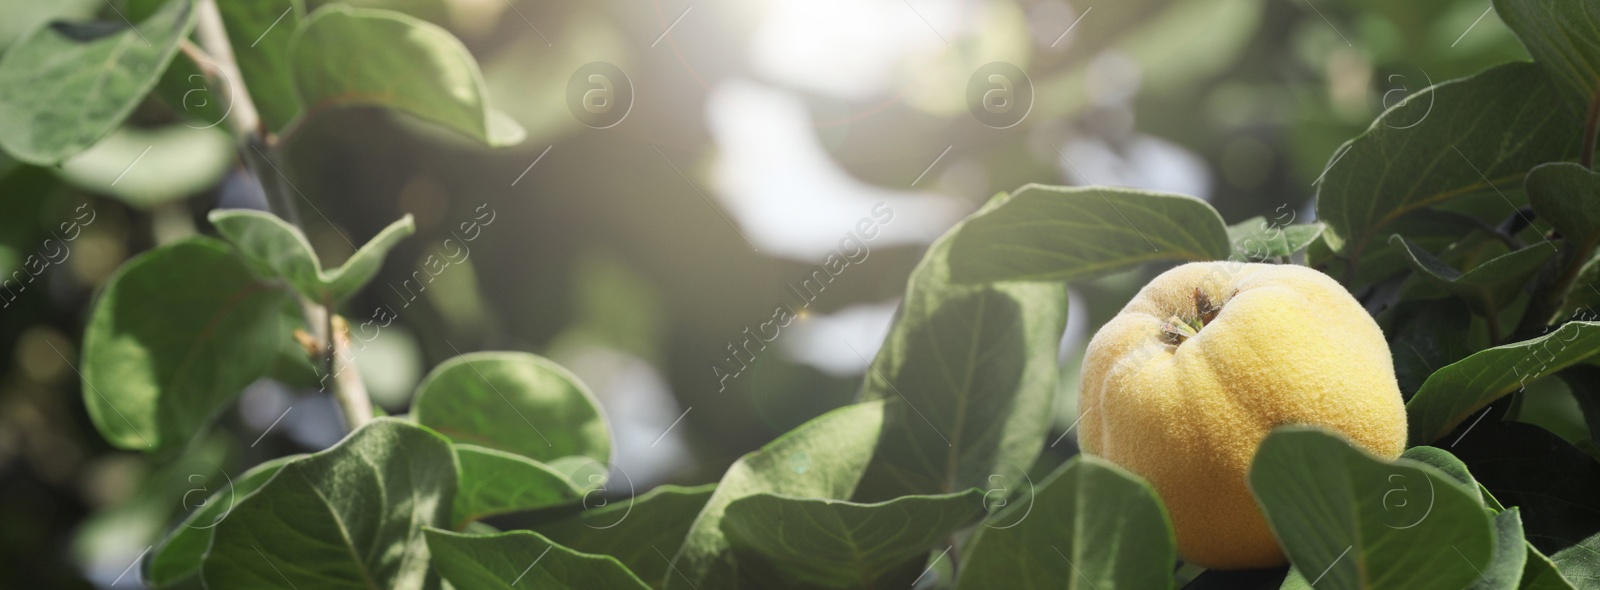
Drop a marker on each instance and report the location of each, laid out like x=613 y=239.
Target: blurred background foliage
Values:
x=791 y=117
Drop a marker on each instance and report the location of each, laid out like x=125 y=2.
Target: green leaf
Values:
x=277 y=249
x=422 y=70
x=1510 y=554
x=842 y=544
x=260 y=33
x=971 y=372
x=1089 y=522
x=823 y=458
x=1502 y=121
x=178 y=555
x=1364 y=522
x=163 y=352
x=347 y=517
x=145 y=168
x=1487 y=287
x=1567 y=196
x=68 y=84
x=514 y=402
x=1054 y=233
x=522 y=559
x=1580 y=563
x=1562 y=37
x=496 y=482
x=633 y=530
x=1255 y=239
x=1539 y=573
x=1458 y=390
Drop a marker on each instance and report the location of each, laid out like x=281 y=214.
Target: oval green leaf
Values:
x=277 y=249
x=68 y=84
x=514 y=402
x=1455 y=392
x=1090 y=524
x=1350 y=520
x=422 y=69
x=1047 y=233
x=164 y=352
x=347 y=517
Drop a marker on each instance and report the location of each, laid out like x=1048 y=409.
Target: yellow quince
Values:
x=1184 y=383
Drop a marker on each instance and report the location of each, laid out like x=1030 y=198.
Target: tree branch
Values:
x=348 y=389
x=243 y=118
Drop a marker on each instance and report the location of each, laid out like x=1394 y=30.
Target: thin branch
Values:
x=243 y=119
x=348 y=389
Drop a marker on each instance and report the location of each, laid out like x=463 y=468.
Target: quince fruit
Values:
x=1184 y=383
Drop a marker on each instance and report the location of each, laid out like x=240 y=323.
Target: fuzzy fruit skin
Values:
x=1288 y=346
